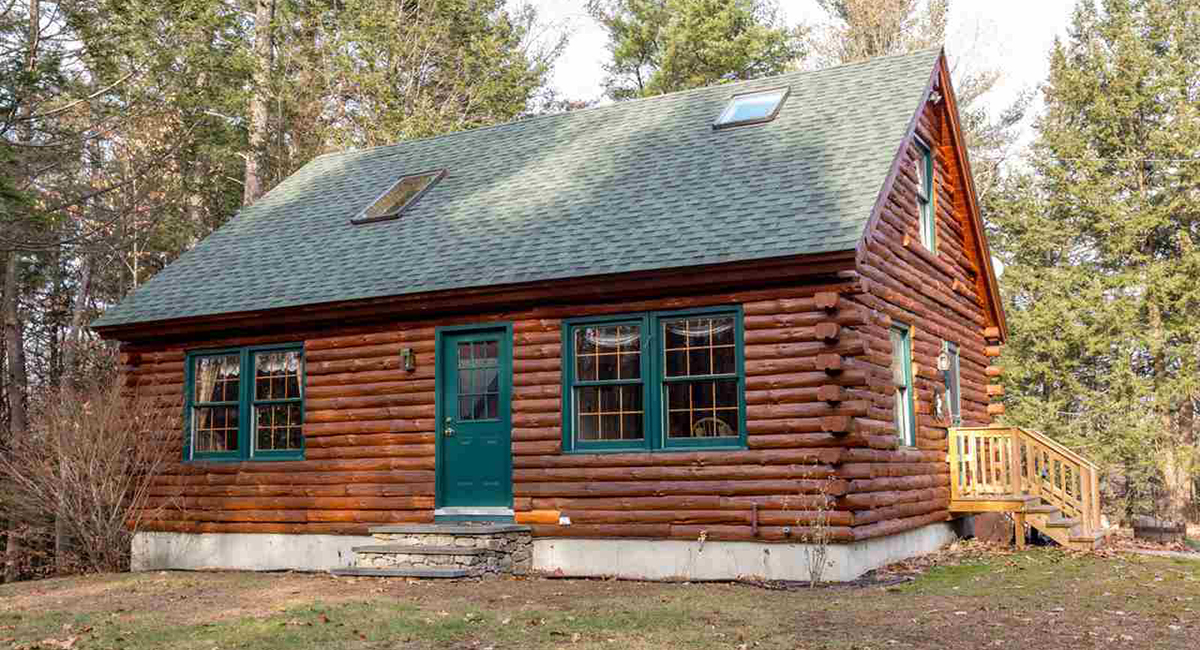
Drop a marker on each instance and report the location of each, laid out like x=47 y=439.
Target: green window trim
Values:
x=925 y=202
x=905 y=399
x=654 y=384
x=246 y=405
x=953 y=378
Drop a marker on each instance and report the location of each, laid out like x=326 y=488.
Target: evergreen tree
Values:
x=661 y=46
x=1099 y=242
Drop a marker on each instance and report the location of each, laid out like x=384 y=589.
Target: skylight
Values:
x=404 y=193
x=752 y=108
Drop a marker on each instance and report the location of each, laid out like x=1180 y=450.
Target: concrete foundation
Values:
x=643 y=559
x=248 y=551
x=639 y=559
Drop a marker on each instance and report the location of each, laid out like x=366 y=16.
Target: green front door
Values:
x=475 y=419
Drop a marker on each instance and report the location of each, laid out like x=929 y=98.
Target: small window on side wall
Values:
x=752 y=108
x=953 y=384
x=925 y=205
x=902 y=381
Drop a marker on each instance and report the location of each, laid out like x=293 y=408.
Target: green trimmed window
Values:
x=245 y=404
x=953 y=384
x=902 y=380
x=660 y=380
x=928 y=224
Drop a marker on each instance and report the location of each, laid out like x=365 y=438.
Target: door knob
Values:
x=448 y=431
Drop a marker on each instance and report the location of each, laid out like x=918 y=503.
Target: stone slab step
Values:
x=403 y=572
x=418 y=549
x=449 y=529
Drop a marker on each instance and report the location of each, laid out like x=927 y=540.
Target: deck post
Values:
x=1019 y=530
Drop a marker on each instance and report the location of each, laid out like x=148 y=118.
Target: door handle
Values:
x=448 y=430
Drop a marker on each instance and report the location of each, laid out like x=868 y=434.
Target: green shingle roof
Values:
x=634 y=186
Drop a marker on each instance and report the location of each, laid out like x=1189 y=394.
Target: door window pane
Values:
x=478 y=380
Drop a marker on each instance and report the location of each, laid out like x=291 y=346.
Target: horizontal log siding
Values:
x=892 y=489
x=369 y=432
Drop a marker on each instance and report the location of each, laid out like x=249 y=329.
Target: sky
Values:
x=1013 y=36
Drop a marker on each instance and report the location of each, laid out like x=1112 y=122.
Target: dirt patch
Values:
x=973 y=594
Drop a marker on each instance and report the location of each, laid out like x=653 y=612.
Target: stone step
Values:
x=418 y=549
x=401 y=571
x=449 y=529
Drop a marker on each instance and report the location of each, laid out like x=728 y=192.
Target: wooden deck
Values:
x=1043 y=484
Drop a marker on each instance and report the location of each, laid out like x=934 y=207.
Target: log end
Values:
x=831 y=393
x=830 y=363
x=826 y=300
x=828 y=331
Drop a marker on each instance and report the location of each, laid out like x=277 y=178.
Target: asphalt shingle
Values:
x=635 y=186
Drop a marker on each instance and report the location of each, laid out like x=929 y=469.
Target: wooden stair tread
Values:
x=1041 y=509
x=1062 y=522
x=402 y=571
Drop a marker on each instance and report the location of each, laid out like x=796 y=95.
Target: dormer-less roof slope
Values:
x=634 y=186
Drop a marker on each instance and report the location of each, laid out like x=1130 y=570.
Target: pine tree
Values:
x=661 y=46
x=1099 y=245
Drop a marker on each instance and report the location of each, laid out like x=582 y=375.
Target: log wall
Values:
x=369 y=431
x=941 y=296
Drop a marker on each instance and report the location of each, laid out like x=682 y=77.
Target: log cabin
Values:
x=690 y=336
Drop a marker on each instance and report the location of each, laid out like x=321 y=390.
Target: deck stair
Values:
x=460 y=550
x=1045 y=485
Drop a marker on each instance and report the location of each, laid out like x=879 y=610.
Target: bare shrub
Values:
x=816 y=539
x=88 y=463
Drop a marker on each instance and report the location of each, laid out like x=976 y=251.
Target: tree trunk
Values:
x=78 y=312
x=14 y=340
x=264 y=53
x=17 y=381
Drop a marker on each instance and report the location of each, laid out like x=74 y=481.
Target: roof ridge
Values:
x=613 y=105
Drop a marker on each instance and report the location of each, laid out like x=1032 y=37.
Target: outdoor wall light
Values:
x=408 y=359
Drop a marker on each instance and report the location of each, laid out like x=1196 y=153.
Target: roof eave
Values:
x=595 y=288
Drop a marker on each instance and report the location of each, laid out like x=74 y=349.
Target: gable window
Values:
x=403 y=194
x=953 y=385
x=928 y=225
x=902 y=381
x=245 y=404
x=752 y=108
x=653 y=381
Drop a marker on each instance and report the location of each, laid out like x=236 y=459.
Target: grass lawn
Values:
x=968 y=598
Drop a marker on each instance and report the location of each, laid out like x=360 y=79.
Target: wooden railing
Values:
x=1010 y=461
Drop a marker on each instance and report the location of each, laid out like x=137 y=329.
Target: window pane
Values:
x=277 y=375
x=214 y=428
x=699 y=346
x=702 y=409
x=607 y=353
x=217 y=378
x=751 y=107
x=609 y=412
x=278 y=427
